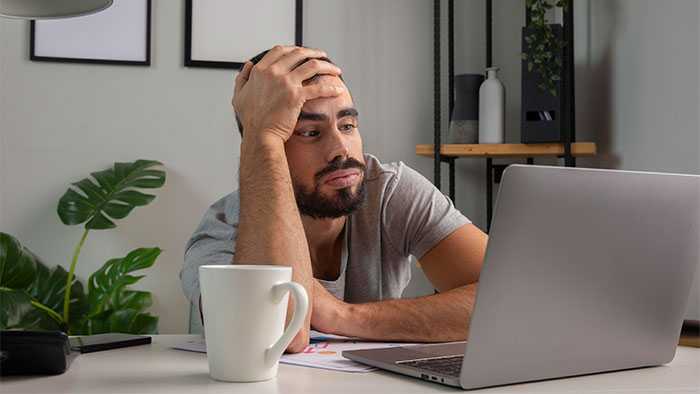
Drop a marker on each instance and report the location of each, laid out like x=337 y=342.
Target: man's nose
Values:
x=338 y=145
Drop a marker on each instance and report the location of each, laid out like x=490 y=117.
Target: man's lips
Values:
x=342 y=178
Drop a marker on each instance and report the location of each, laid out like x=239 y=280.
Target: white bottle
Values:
x=492 y=108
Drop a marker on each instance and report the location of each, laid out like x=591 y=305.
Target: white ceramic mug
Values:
x=244 y=310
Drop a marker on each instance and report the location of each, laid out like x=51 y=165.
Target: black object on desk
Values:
x=51 y=352
x=34 y=352
x=96 y=343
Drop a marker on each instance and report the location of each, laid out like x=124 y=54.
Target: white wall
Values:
x=58 y=122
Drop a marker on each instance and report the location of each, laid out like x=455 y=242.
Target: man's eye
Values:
x=347 y=127
x=308 y=133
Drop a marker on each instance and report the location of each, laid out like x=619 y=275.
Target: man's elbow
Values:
x=300 y=342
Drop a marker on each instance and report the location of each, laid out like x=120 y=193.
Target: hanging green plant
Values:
x=543 y=45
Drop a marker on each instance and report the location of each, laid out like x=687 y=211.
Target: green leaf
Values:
x=134 y=198
x=106 y=285
x=144 y=323
x=129 y=321
x=31 y=291
x=109 y=194
x=96 y=324
x=106 y=179
x=130 y=299
x=17 y=264
x=13 y=305
x=49 y=289
x=120 y=321
x=150 y=179
x=118 y=210
x=73 y=208
x=114 y=308
x=100 y=222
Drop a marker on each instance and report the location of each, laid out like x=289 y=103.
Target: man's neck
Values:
x=322 y=233
x=324 y=241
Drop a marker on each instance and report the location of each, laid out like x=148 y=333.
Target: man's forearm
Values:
x=436 y=318
x=270 y=229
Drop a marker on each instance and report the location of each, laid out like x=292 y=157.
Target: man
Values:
x=346 y=223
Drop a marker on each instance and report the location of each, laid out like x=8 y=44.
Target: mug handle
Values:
x=301 y=306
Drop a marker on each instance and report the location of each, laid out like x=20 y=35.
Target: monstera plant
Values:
x=33 y=296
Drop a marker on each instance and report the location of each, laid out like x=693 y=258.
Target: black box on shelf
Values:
x=541 y=112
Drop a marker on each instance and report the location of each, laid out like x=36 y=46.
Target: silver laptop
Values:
x=585 y=271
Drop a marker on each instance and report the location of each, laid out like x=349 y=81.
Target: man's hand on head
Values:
x=269 y=95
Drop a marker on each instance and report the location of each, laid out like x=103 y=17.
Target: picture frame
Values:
x=204 y=28
x=119 y=35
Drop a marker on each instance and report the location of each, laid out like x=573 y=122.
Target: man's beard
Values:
x=318 y=206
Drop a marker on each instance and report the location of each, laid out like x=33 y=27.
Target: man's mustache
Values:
x=339 y=164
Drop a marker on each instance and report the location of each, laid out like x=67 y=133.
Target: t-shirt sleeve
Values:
x=213 y=242
x=416 y=215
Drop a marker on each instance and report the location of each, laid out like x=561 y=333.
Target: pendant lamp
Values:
x=50 y=9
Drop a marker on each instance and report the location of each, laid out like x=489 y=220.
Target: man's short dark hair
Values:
x=255 y=59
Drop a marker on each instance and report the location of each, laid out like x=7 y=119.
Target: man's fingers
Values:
x=242 y=77
x=318 y=90
x=273 y=55
x=314 y=67
x=294 y=58
x=245 y=71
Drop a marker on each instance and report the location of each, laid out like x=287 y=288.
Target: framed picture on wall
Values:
x=121 y=34
x=226 y=33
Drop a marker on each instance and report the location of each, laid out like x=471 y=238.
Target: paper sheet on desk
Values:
x=324 y=352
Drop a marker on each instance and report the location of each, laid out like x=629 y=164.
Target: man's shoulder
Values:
x=227 y=208
x=388 y=175
x=382 y=173
x=391 y=186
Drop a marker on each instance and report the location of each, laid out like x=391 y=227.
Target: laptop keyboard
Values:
x=448 y=366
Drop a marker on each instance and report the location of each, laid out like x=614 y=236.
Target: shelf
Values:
x=508 y=150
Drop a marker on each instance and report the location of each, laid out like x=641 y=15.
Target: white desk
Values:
x=158 y=369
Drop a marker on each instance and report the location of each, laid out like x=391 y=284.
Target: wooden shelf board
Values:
x=692 y=341
x=508 y=150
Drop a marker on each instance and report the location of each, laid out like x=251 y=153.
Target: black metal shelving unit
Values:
x=493 y=171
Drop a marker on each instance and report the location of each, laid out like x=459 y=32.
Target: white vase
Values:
x=492 y=108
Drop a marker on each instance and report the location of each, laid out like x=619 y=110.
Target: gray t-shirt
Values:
x=337 y=286
x=403 y=215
